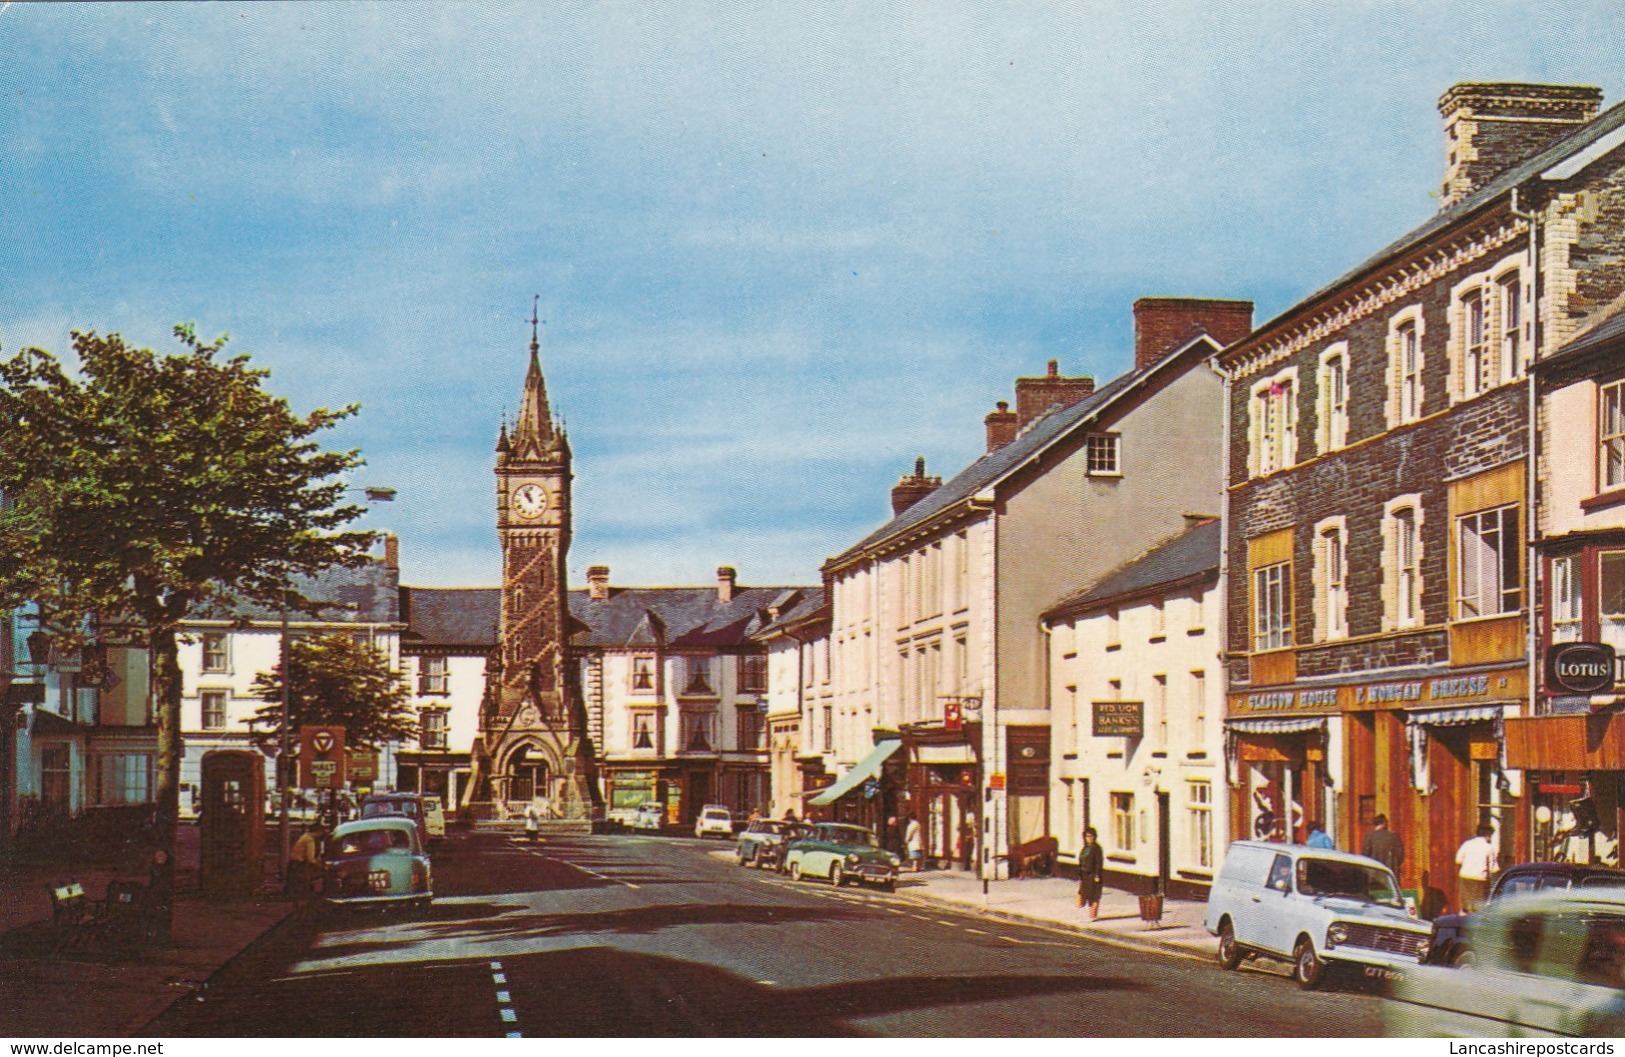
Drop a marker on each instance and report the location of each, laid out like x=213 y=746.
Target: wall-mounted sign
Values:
x=1119 y=719
x=363 y=765
x=321 y=757
x=953 y=716
x=995 y=780
x=1580 y=667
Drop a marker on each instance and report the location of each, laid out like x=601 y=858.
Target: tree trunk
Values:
x=166 y=678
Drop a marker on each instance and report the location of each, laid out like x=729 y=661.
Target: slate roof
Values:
x=369 y=594
x=993 y=466
x=1607 y=331
x=810 y=604
x=1192 y=553
x=453 y=618
x=466 y=618
x=1565 y=148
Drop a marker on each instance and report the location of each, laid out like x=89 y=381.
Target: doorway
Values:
x=1165 y=851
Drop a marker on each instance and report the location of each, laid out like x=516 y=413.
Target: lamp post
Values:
x=284 y=748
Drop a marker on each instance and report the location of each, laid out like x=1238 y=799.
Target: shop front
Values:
x=1574 y=771
x=867 y=794
x=1279 y=782
x=944 y=778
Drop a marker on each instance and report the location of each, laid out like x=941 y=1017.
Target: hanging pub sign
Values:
x=321 y=757
x=1580 y=667
x=1119 y=719
x=953 y=716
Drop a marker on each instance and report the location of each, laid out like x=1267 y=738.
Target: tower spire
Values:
x=533 y=431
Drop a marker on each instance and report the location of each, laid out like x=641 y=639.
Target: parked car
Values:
x=378 y=861
x=1450 y=945
x=764 y=840
x=650 y=815
x=409 y=805
x=1546 y=964
x=841 y=853
x=715 y=821
x=1315 y=908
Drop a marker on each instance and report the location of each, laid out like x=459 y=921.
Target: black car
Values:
x=1450 y=945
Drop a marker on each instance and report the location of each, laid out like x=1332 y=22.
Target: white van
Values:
x=1315 y=908
x=651 y=816
x=434 y=817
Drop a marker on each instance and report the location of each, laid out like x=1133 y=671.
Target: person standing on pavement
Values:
x=1091 y=873
x=1475 y=865
x=1319 y=838
x=914 y=839
x=1384 y=845
x=304 y=862
x=967 y=842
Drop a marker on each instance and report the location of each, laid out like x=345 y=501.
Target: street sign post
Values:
x=321 y=757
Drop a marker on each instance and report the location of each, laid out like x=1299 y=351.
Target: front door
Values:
x=1164 y=842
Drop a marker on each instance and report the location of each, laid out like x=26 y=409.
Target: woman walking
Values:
x=1091 y=867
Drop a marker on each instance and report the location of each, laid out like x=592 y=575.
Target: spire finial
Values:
x=535 y=303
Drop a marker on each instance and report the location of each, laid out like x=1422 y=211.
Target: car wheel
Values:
x=1308 y=971
x=1229 y=949
x=889 y=886
x=1464 y=959
x=795 y=870
x=837 y=875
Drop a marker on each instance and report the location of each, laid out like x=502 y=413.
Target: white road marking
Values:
x=589 y=873
x=499 y=978
x=509 y=1016
x=768 y=983
x=979 y=932
x=504 y=1001
x=503 y=997
x=1008 y=939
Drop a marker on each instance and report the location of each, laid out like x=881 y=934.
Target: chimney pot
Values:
x=1002 y=426
x=726 y=574
x=910 y=490
x=598 y=582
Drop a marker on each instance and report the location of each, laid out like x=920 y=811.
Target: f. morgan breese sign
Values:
x=1365 y=696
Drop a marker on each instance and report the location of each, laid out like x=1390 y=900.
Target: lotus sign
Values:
x=1580 y=667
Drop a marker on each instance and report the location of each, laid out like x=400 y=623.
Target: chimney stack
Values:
x=1490 y=127
x=598 y=582
x=1163 y=324
x=1034 y=396
x=392 y=552
x=1002 y=426
x=726 y=574
x=910 y=490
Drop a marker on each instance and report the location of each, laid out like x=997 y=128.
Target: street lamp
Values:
x=284 y=749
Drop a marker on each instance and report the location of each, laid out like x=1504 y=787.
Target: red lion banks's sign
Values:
x=321 y=757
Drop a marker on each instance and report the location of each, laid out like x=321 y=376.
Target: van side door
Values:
x=1275 y=914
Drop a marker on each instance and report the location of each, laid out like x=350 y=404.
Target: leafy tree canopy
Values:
x=336 y=681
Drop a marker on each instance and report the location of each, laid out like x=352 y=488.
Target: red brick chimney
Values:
x=911 y=489
x=1488 y=128
x=1002 y=426
x=726 y=574
x=598 y=582
x=1163 y=324
x=1034 y=396
x=392 y=552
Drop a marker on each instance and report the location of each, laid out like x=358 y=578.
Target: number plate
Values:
x=378 y=880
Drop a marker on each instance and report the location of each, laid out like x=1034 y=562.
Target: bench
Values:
x=1035 y=858
x=76 y=919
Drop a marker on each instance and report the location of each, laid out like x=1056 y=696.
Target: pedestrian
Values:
x=967 y=842
x=1384 y=845
x=304 y=862
x=914 y=838
x=1091 y=871
x=892 y=838
x=533 y=822
x=1319 y=838
x=1475 y=865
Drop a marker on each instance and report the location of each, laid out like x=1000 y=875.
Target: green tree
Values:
x=144 y=487
x=336 y=682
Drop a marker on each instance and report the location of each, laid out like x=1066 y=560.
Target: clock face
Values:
x=530 y=500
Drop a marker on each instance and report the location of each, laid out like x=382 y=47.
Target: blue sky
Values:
x=781 y=249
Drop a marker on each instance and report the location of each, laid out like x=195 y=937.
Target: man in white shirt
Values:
x=1475 y=865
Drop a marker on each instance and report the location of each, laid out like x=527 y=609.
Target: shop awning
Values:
x=944 y=754
x=1276 y=725
x=867 y=768
x=1455 y=717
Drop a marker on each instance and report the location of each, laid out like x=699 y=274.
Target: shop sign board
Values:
x=1580 y=667
x=1401 y=693
x=1119 y=719
x=321 y=757
x=995 y=781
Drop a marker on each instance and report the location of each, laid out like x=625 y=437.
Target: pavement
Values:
x=101 y=993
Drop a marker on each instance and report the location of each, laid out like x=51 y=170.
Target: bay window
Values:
x=1487 y=580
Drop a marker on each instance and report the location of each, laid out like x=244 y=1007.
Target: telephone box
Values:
x=232 y=825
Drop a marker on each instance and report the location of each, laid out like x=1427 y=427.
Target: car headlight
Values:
x=894 y=860
x=1338 y=933
x=1423 y=949
x=852 y=859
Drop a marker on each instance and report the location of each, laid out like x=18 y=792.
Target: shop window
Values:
x=1123 y=822
x=1611 y=599
x=125 y=778
x=1272 y=607
x=1611 y=437
x=1487 y=580
x=216 y=657
x=1566 y=599
x=1201 y=823
x=214 y=709
x=1332 y=399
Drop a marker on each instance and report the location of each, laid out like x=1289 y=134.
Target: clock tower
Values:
x=530 y=744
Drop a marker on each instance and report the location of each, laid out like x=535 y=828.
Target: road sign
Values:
x=324 y=746
x=363 y=765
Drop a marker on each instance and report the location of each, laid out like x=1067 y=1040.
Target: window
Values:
x=1487 y=340
x=1405 y=367
x=1201 y=823
x=1332 y=400
x=1199 y=708
x=1123 y=822
x=750 y=729
x=215 y=656
x=1159 y=709
x=214 y=709
x=643 y=730
x=697 y=736
x=1402 y=564
x=1566 y=598
x=961 y=571
x=433 y=677
x=432 y=729
x=1159 y=620
x=1509 y=302
x=1611 y=427
x=643 y=675
x=829 y=728
x=1611 y=599
x=1198 y=611
x=1477 y=366
x=753 y=673
x=1487 y=569
x=699 y=676
x=1114 y=636
x=1104 y=452
x=961 y=664
x=1275 y=423
x=1331 y=576
x=1272 y=607
x=55 y=779
x=124 y=778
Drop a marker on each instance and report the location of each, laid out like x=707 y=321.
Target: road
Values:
x=660 y=936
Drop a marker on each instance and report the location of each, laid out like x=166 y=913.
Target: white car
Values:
x=1547 y=964
x=1314 y=908
x=650 y=816
x=714 y=821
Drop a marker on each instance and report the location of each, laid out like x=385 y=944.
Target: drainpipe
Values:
x=1534 y=605
x=1231 y=772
